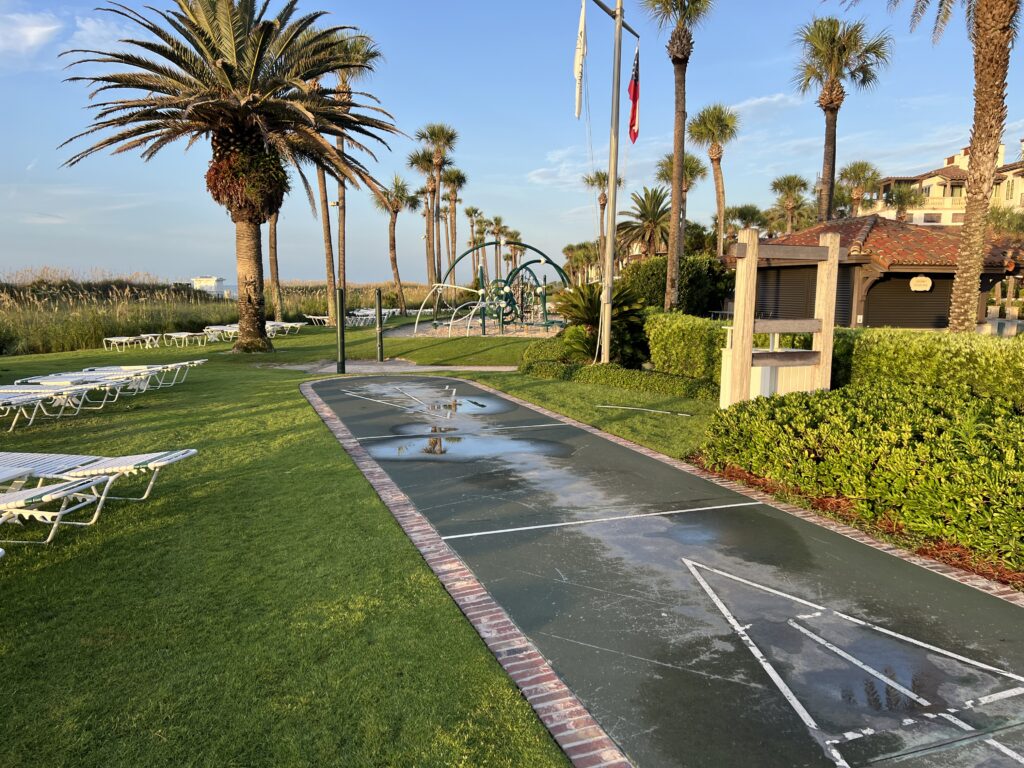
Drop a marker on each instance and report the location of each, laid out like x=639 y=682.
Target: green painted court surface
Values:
x=700 y=628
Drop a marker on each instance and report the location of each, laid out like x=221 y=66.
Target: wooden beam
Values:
x=811 y=325
x=808 y=253
x=825 y=309
x=743 y=318
x=786 y=358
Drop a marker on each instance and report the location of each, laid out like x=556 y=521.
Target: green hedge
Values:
x=937 y=461
x=689 y=346
x=986 y=366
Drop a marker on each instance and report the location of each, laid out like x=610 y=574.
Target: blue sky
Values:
x=501 y=73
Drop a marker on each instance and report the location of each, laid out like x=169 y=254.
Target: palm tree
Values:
x=801 y=212
x=860 y=178
x=713 y=127
x=515 y=251
x=789 y=190
x=837 y=52
x=223 y=70
x=904 y=196
x=599 y=180
x=422 y=160
x=364 y=55
x=496 y=228
x=454 y=180
x=440 y=140
x=648 y=225
x=682 y=16
x=744 y=216
x=393 y=200
x=275 y=280
x=694 y=170
x=472 y=213
x=993 y=29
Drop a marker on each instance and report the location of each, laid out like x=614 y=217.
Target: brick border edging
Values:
x=989 y=587
x=570 y=724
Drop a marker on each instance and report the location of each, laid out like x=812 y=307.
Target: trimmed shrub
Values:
x=986 y=366
x=704 y=284
x=545 y=349
x=688 y=346
x=549 y=369
x=646 y=278
x=613 y=375
x=936 y=462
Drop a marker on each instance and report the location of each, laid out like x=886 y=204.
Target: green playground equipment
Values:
x=519 y=298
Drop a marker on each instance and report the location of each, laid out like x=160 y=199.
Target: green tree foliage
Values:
x=581 y=306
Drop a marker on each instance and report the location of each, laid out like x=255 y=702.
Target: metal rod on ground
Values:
x=380 y=327
x=339 y=303
x=613 y=183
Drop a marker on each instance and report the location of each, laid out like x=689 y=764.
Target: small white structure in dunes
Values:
x=210 y=284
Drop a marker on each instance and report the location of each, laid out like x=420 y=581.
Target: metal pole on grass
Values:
x=340 y=305
x=613 y=183
x=380 y=327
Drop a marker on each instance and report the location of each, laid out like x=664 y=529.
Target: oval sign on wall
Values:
x=920 y=283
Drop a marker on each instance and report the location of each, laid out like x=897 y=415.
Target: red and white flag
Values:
x=634 y=97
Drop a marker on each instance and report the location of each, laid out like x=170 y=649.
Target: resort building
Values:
x=945 y=190
x=890 y=274
x=210 y=284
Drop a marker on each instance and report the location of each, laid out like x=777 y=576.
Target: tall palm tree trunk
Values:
x=342 y=280
x=325 y=221
x=445 y=222
x=437 y=222
x=251 y=304
x=680 y=47
x=275 y=280
x=858 y=200
x=828 y=166
x=428 y=215
x=452 y=228
x=602 y=203
x=393 y=253
x=789 y=218
x=716 y=168
x=497 y=259
x=993 y=37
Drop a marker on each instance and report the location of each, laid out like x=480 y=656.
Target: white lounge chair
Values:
x=50 y=504
x=158 y=373
x=73 y=466
x=184 y=338
x=61 y=400
x=318 y=319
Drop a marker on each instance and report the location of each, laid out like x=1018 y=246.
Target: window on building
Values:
x=933 y=218
x=957 y=190
x=958 y=218
x=1009 y=188
x=927 y=191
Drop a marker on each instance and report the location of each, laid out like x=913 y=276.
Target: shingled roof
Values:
x=889 y=243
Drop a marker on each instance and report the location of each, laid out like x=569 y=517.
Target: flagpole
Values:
x=613 y=185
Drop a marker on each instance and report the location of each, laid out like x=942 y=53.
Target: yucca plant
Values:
x=225 y=71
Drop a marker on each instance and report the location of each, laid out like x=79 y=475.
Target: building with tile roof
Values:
x=891 y=273
x=945 y=190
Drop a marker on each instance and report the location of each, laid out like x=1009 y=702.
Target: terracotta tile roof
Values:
x=951 y=172
x=890 y=243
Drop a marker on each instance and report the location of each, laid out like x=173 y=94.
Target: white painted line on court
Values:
x=762 y=587
x=411 y=397
x=921 y=644
x=784 y=689
x=867 y=668
x=646 y=410
x=999 y=696
x=598 y=520
x=382 y=402
x=1015 y=756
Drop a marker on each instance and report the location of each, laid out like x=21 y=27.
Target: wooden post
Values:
x=743 y=318
x=825 y=309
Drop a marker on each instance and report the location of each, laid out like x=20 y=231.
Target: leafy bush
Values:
x=613 y=375
x=704 y=284
x=934 y=461
x=646 y=279
x=987 y=366
x=581 y=306
x=545 y=349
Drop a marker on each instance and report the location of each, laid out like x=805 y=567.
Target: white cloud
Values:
x=22 y=34
x=101 y=34
x=772 y=102
x=46 y=219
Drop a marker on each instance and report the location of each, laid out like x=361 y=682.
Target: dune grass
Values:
x=263 y=609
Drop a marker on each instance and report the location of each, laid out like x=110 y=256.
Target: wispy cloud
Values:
x=44 y=219
x=566 y=166
x=772 y=102
x=22 y=34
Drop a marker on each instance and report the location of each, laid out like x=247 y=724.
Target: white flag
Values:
x=581 y=54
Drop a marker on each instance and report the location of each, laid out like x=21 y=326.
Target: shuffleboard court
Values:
x=698 y=626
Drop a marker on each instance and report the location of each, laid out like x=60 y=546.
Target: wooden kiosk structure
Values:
x=748 y=372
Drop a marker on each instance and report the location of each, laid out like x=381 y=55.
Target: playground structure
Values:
x=517 y=300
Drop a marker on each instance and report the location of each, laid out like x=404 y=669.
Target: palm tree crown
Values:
x=694 y=170
x=789 y=190
x=712 y=127
x=647 y=222
x=223 y=70
x=860 y=178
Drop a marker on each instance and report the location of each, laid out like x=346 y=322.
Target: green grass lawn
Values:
x=263 y=609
